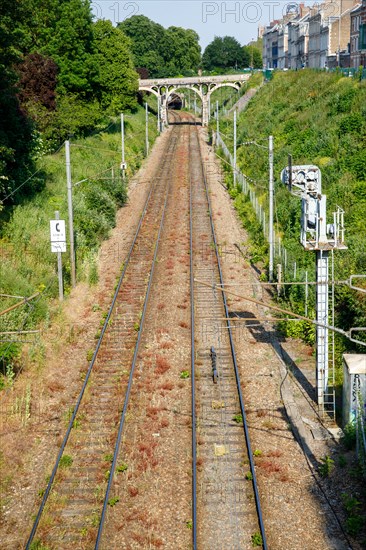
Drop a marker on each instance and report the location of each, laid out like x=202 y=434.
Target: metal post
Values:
x=285 y=261
x=70 y=210
x=270 y=228
x=306 y=293
x=147 y=130
x=290 y=172
x=322 y=261
x=217 y=119
x=295 y=271
x=234 y=161
x=279 y=278
x=59 y=267
x=122 y=138
x=159 y=114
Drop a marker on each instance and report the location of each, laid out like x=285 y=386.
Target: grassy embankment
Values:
x=320 y=119
x=27 y=264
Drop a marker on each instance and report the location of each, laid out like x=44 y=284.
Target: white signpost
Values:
x=58 y=244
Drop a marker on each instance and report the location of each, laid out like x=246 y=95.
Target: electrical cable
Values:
x=31 y=309
x=95 y=176
x=95 y=148
x=30 y=177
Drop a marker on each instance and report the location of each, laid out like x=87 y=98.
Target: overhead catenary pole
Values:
x=271 y=193
x=123 y=165
x=70 y=210
x=217 y=119
x=234 y=158
x=159 y=130
x=59 y=267
x=147 y=130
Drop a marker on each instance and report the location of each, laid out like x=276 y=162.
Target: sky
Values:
x=207 y=18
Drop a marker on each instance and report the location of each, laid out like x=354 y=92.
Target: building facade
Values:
x=327 y=35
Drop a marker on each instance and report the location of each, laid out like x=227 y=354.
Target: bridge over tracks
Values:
x=203 y=86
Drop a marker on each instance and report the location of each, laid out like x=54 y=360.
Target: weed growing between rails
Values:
x=154 y=499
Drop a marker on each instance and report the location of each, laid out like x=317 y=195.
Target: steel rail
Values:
x=193 y=377
x=90 y=369
x=132 y=371
x=237 y=377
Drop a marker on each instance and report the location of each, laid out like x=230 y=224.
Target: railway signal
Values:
x=305 y=182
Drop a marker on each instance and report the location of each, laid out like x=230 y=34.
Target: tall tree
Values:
x=117 y=79
x=223 y=53
x=182 y=51
x=62 y=30
x=252 y=55
x=16 y=141
x=163 y=52
x=148 y=42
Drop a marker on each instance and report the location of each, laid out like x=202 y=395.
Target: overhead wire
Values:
x=30 y=177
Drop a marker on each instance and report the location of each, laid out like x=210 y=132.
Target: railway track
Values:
x=224 y=503
x=73 y=506
x=226 y=507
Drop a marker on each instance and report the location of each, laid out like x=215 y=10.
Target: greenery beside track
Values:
x=320 y=119
x=27 y=262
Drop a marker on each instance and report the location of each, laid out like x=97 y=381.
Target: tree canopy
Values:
x=60 y=74
x=16 y=142
x=163 y=52
x=223 y=53
x=116 y=78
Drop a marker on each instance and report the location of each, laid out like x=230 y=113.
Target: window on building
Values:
x=362 y=37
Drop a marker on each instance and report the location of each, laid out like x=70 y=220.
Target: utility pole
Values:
x=271 y=194
x=159 y=130
x=147 y=130
x=234 y=159
x=123 y=163
x=70 y=210
x=217 y=119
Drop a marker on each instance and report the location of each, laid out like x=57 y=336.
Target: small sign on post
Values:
x=58 y=235
x=58 y=244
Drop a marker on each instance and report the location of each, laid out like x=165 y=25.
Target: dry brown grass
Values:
x=166 y=345
x=158 y=543
x=133 y=491
x=55 y=385
x=152 y=412
x=269 y=467
x=275 y=453
x=164 y=423
x=161 y=365
x=167 y=386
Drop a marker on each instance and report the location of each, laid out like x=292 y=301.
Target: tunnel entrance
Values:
x=175 y=102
